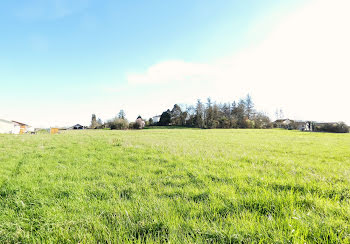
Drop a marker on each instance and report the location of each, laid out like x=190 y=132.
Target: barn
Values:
x=78 y=127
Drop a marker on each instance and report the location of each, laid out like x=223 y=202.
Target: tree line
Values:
x=118 y=123
x=210 y=115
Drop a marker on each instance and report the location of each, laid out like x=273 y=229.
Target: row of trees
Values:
x=118 y=123
x=209 y=115
x=241 y=114
x=340 y=127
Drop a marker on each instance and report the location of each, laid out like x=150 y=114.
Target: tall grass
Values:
x=179 y=186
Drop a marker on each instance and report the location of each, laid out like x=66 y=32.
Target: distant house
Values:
x=299 y=125
x=78 y=127
x=14 y=127
x=282 y=123
x=20 y=128
x=156 y=119
x=295 y=124
x=304 y=125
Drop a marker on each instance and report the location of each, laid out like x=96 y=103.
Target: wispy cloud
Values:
x=173 y=71
x=303 y=66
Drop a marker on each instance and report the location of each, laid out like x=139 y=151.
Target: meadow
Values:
x=175 y=185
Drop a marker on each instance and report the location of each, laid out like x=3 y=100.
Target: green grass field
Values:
x=175 y=185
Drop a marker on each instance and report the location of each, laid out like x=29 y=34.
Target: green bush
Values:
x=118 y=124
x=340 y=127
x=132 y=125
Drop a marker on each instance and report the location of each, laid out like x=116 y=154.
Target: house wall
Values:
x=6 y=127
x=16 y=129
x=54 y=131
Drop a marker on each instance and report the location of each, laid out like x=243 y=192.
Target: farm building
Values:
x=54 y=131
x=78 y=127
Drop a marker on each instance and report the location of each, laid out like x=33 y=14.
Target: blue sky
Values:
x=61 y=60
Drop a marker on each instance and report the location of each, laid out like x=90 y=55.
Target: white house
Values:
x=287 y=122
x=7 y=127
x=14 y=127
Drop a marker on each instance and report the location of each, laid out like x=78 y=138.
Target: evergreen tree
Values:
x=165 y=118
x=216 y=116
x=239 y=114
x=226 y=110
x=199 y=117
x=94 y=123
x=121 y=114
x=249 y=106
x=209 y=115
x=176 y=115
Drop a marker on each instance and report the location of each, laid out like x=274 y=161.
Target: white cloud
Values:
x=173 y=71
x=302 y=66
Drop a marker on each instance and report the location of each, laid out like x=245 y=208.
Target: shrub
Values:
x=261 y=121
x=340 y=127
x=234 y=123
x=131 y=125
x=224 y=123
x=139 y=123
x=118 y=124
